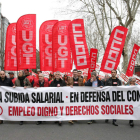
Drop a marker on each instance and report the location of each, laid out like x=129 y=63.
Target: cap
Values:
x=10 y=72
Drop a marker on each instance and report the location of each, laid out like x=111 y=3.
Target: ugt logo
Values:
x=62 y=28
x=27 y=23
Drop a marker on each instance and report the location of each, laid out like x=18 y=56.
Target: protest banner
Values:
x=45 y=45
x=26 y=42
x=131 y=65
x=78 y=44
x=61 y=52
x=114 y=49
x=10 y=48
x=66 y=103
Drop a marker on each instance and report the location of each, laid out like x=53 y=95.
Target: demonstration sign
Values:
x=66 y=103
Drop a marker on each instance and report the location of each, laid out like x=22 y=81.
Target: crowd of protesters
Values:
x=26 y=80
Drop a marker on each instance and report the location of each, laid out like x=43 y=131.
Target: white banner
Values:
x=66 y=103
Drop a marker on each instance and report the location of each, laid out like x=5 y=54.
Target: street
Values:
x=80 y=130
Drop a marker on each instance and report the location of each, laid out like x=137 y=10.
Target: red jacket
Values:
x=13 y=80
x=36 y=83
x=31 y=78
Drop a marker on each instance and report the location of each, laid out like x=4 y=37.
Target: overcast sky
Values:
x=44 y=10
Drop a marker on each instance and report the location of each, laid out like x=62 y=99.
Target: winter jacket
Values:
x=25 y=81
x=55 y=83
x=80 y=81
x=6 y=82
x=36 y=83
x=109 y=82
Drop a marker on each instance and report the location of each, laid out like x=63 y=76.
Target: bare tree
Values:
x=104 y=15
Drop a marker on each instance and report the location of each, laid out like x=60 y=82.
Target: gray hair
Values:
x=93 y=73
x=131 y=78
x=41 y=74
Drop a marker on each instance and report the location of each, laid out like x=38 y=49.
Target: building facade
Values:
x=4 y=22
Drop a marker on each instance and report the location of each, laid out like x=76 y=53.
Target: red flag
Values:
x=45 y=45
x=93 y=59
x=131 y=64
x=10 y=48
x=61 y=47
x=114 y=49
x=26 y=42
x=78 y=44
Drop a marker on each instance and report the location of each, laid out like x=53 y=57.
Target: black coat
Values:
x=88 y=83
x=109 y=82
x=6 y=82
x=55 y=82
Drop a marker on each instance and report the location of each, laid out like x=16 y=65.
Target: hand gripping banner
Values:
x=45 y=45
x=114 y=49
x=61 y=47
x=131 y=64
x=93 y=59
x=26 y=42
x=78 y=44
x=10 y=48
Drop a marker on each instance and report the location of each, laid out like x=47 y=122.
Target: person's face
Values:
x=133 y=82
x=106 y=77
x=11 y=75
x=79 y=74
x=75 y=73
x=65 y=77
x=25 y=71
x=2 y=74
x=41 y=77
x=57 y=75
x=93 y=77
x=50 y=77
x=113 y=73
x=38 y=72
x=20 y=74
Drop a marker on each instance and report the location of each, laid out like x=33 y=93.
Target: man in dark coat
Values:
x=58 y=82
x=113 y=81
x=94 y=81
x=4 y=81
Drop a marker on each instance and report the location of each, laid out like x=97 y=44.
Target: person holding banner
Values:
x=94 y=82
x=58 y=82
x=22 y=81
x=75 y=81
x=4 y=81
x=132 y=82
x=113 y=81
x=41 y=82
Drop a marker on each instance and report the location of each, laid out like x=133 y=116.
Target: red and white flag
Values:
x=45 y=45
x=10 y=48
x=114 y=49
x=26 y=42
x=61 y=47
x=78 y=44
x=131 y=64
x=93 y=59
